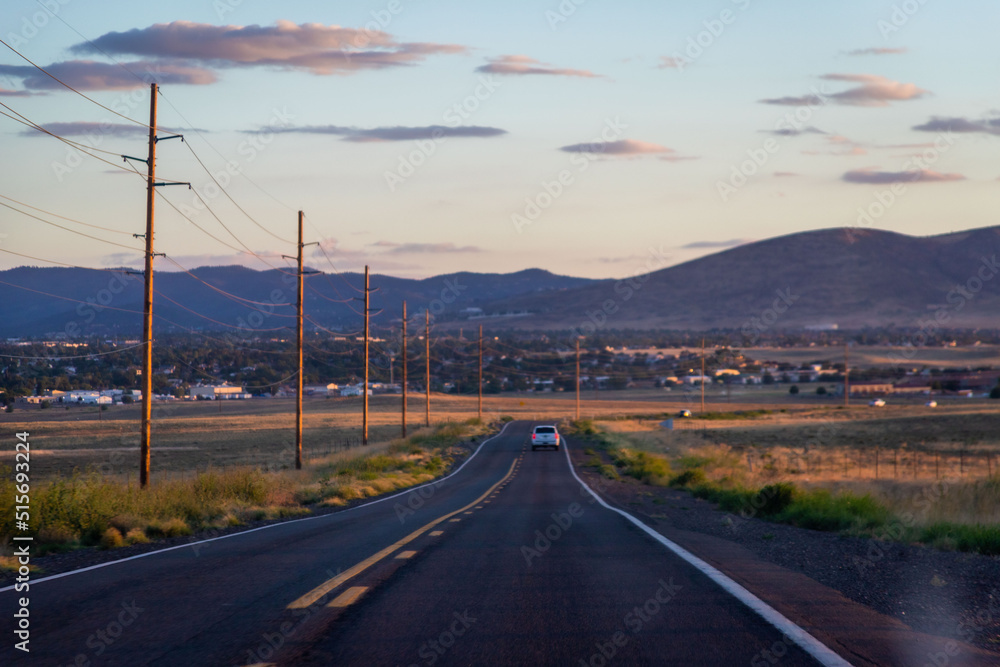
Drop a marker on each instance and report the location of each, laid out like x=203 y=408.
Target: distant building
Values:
x=321 y=389
x=220 y=392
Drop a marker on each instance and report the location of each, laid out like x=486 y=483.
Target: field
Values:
x=909 y=472
x=193 y=437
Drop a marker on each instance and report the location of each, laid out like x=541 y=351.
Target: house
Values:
x=353 y=390
x=871 y=388
x=321 y=389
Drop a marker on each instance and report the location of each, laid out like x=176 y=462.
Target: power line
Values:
x=62 y=217
x=61 y=82
x=67 y=229
x=228 y=196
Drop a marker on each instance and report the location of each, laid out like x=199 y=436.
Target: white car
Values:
x=545 y=436
x=876 y=403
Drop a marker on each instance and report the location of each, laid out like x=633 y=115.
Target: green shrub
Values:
x=112 y=539
x=978 y=538
x=691 y=477
x=776 y=498
x=820 y=509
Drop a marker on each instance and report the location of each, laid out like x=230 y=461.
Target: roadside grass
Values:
x=953 y=513
x=87 y=509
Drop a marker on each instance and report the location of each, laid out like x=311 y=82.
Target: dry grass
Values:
x=855 y=472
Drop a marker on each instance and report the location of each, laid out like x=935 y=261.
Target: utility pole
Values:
x=147 y=309
x=299 y=339
x=145 y=431
x=427 y=355
x=847 y=370
x=703 y=375
x=578 y=379
x=480 y=372
x=403 y=363
x=299 y=382
x=364 y=390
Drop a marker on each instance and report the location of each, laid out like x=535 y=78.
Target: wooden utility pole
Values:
x=147 y=310
x=703 y=375
x=847 y=370
x=299 y=380
x=480 y=372
x=364 y=389
x=427 y=356
x=403 y=363
x=578 y=379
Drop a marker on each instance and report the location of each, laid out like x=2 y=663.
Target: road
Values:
x=509 y=561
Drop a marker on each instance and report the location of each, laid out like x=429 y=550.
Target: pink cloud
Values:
x=618 y=148
x=313 y=47
x=90 y=75
x=877 y=51
x=874 y=91
x=519 y=64
x=870 y=175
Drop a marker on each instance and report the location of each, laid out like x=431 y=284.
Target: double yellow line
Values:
x=317 y=593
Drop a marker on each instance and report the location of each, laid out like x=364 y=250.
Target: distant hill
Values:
x=113 y=299
x=850 y=277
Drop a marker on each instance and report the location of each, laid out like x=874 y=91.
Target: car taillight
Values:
x=533 y=436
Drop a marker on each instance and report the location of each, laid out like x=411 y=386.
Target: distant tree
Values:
x=768 y=378
x=995 y=392
x=821 y=391
x=793 y=390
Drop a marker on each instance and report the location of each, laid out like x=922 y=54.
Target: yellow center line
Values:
x=406 y=554
x=348 y=597
x=312 y=596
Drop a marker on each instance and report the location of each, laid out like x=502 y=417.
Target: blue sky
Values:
x=653 y=139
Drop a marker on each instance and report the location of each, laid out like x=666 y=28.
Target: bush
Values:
x=775 y=498
x=821 y=391
x=822 y=510
x=793 y=390
x=112 y=539
x=978 y=538
x=136 y=536
x=994 y=393
x=688 y=478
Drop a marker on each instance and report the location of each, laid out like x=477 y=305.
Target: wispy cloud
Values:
x=874 y=91
x=669 y=62
x=877 y=51
x=424 y=248
x=81 y=128
x=90 y=75
x=394 y=133
x=872 y=176
x=313 y=47
x=795 y=131
x=618 y=148
x=963 y=125
x=519 y=64
x=15 y=93
x=713 y=245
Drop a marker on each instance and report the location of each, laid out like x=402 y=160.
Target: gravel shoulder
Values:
x=945 y=595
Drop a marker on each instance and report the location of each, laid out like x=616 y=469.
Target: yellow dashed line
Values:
x=348 y=597
x=314 y=595
x=406 y=554
x=436 y=533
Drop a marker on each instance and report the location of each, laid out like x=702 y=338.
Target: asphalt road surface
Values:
x=509 y=561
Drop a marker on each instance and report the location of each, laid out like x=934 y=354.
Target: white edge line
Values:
x=814 y=647
x=273 y=525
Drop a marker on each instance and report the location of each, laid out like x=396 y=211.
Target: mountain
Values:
x=109 y=302
x=849 y=277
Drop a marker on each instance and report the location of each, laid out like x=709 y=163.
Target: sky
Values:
x=584 y=137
